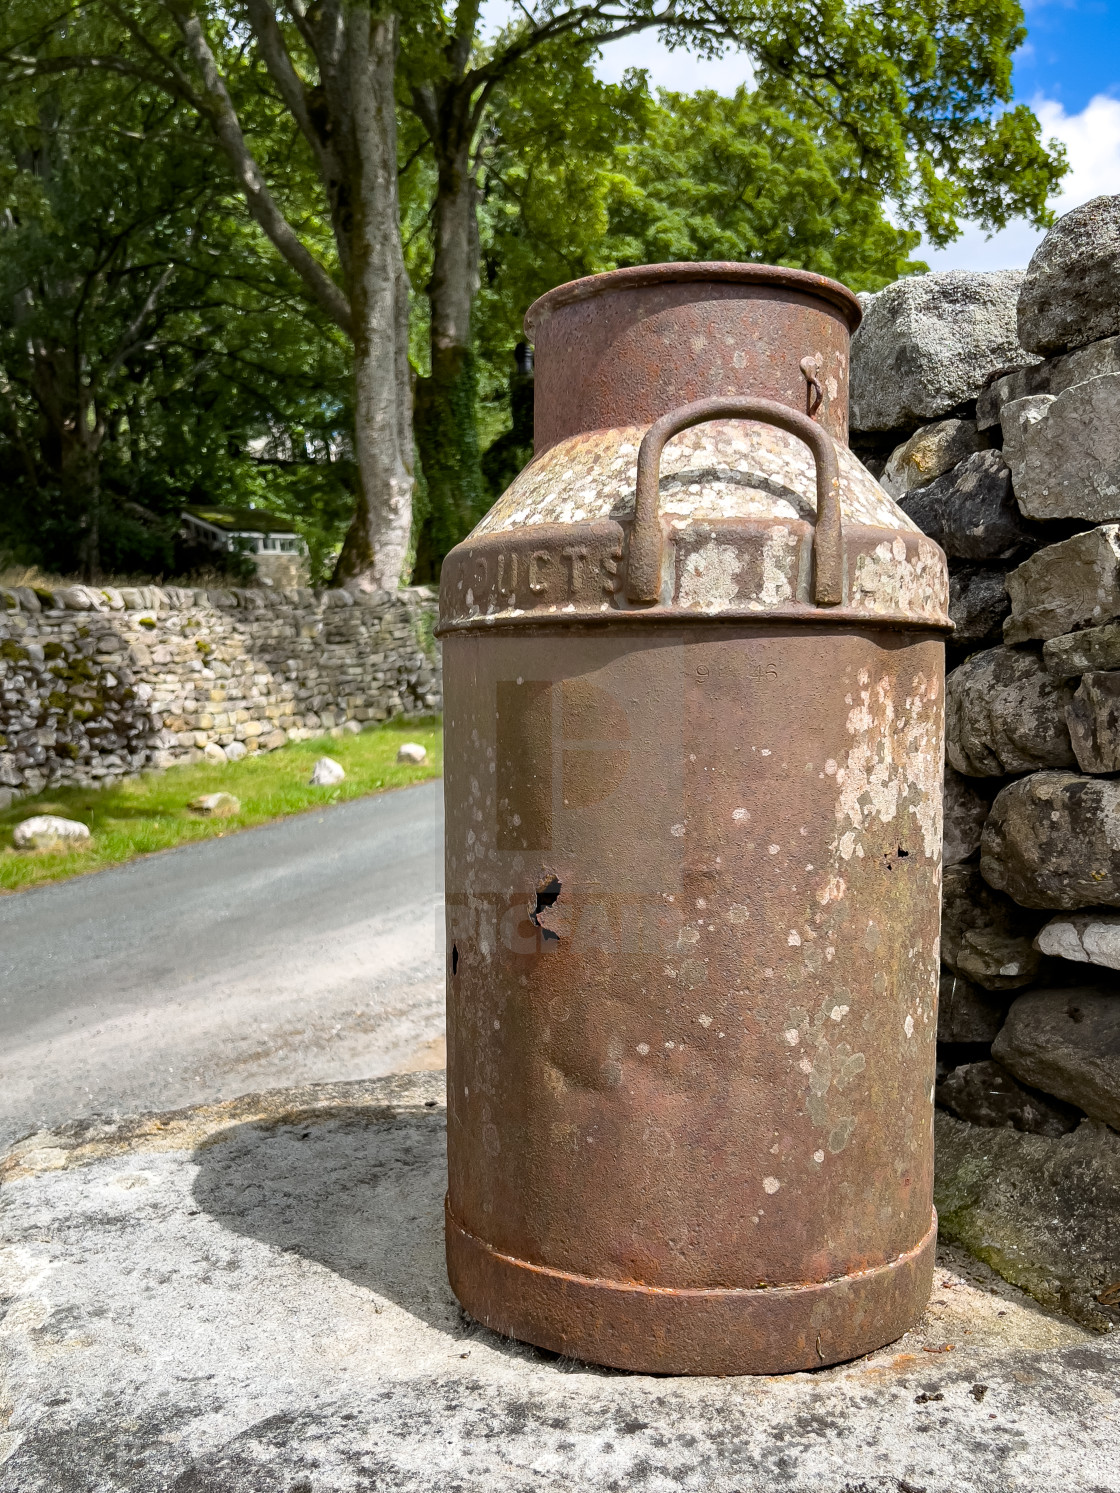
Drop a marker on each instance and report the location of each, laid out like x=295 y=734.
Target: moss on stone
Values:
x=1040 y=1210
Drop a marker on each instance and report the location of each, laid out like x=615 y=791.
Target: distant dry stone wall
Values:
x=98 y=684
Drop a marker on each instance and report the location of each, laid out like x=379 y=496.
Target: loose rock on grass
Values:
x=50 y=832
x=326 y=773
x=215 y=806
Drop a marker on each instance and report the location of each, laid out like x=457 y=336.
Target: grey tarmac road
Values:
x=308 y=950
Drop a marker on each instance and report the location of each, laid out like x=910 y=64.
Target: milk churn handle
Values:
x=643 y=580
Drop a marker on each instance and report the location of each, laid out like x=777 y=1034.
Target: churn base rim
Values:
x=658 y=1330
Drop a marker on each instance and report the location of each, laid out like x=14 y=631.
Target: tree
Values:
x=609 y=176
x=146 y=353
x=326 y=70
x=916 y=91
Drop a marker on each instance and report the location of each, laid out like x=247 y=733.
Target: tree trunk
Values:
x=376 y=551
x=350 y=122
x=73 y=436
x=446 y=420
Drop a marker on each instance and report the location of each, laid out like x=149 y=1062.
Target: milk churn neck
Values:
x=630 y=346
x=715 y=271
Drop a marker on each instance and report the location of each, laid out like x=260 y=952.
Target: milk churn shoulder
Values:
x=737 y=504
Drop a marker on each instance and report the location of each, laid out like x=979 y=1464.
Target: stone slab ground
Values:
x=250 y=1298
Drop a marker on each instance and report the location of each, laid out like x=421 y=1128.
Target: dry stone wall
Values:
x=1016 y=473
x=96 y=685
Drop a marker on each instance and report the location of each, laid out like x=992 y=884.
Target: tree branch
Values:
x=270 y=39
x=415 y=156
x=129 y=340
x=298 y=12
x=217 y=106
x=181 y=84
x=42 y=67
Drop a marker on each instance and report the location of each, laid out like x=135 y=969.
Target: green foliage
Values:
x=153 y=352
x=585 y=177
x=919 y=89
x=154 y=349
x=737 y=178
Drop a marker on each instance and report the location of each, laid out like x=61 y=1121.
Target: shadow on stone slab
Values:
x=357 y=1189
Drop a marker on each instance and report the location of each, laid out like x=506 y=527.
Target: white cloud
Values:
x=680 y=70
x=1092 y=141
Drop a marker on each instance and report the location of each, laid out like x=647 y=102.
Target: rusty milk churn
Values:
x=694 y=667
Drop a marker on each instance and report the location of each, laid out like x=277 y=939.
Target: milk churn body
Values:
x=693 y=767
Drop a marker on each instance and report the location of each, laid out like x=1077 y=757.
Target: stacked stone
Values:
x=989 y=406
x=98 y=684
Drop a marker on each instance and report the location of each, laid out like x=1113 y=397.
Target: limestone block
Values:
x=987 y=1094
x=1083 y=938
x=967 y=1013
x=215 y=805
x=1075 y=583
x=1067 y=1043
x=50 y=832
x=978 y=604
x=235 y=750
x=272 y=740
x=928 y=342
x=1053 y=840
x=1083 y=652
x=1049 y=377
x=1016 y=419
x=985 y=937
x=75 y=598
x=965 y=811
x=1069 y=294
x=1043 y=1207
x=1066 y=451
x=1005 y=713
x=326 y=773
x=929 y=452
x=971 y=511
x=1094 y=722
x=214 y=753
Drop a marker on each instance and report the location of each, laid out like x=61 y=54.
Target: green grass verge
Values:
x=150 y=813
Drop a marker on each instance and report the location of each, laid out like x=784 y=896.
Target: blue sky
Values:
x=1068 y=71
x=1070 y=54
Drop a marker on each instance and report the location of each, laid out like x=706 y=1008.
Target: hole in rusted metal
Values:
x=548 y=894
x=454 y=959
